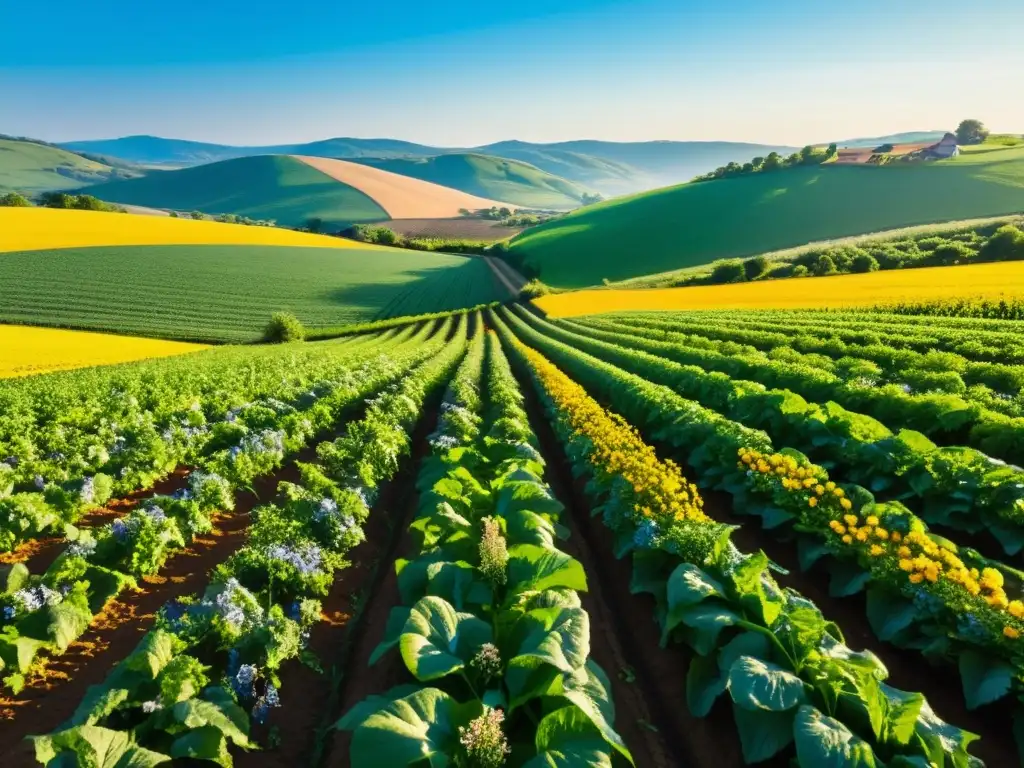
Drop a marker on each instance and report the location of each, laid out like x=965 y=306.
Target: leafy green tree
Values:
x=773 y=162
x=728 y=272
x=864 y=262
x=315 y=224
x=971 y=132
x=284 y=327
x=14 y=200
x=832 y=150
x=57 y=200
x=824 y=265
x=1007 y=244
x=755 y=267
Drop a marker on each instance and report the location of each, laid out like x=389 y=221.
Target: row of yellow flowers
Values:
x=660 y=491
x=913 y=553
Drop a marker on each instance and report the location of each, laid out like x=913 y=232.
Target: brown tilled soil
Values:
x=401 y=197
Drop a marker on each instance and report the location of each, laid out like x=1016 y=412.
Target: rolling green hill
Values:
x=228 y=292
x=492 y=177
x=262 y=187
x=608 y=167
x=695 y=224
x=29 y=168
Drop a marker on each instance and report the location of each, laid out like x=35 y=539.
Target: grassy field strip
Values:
x=26 y=350
x=39 y=229
x=992 y=281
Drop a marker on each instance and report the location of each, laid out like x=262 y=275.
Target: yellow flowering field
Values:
x=995 y=280
x=37 y=229
x=25 y=350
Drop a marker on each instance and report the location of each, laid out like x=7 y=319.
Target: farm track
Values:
x=651 y=713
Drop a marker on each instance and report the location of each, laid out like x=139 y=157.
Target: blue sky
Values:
x=465 y=73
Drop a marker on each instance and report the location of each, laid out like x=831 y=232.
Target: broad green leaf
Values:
x=438 y=640
x=826 y=743
x=459 y=584
x=13 y=577
x=533 y=568
x=944 y=742
x=558 y=636
x=226 y=716
x=529 y=495
x=20 y=652
x=206 y=743
x=689 y=585
x=745 y=644
x=419 y=729
x=67 y=623
x=588 y=688
x=902 y=712
x=525 y=527
x=706 y=622
x=373 y=703
x=153 y=653
x=95 y=747
x=392 y=632
x=704 y=684
x=748 y=579
x=888 y=614
x=755 y=684
x=984 y=679
x=763 y=733
x=567 y=738
x=97 y=703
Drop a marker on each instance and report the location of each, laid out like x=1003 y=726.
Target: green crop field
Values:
x=28 y=167
x=262 y=187
x=491 y=177
x=695 y=224
x=228 y=292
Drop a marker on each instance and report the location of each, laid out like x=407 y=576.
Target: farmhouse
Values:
x=947 y=147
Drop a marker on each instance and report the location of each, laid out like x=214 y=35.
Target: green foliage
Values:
x=756 y=267
x=1007 y=244
x=14 y=200
x=728 y=272
x=971 y=132
x=323 y=287
x=76 y=202
x=284 y=327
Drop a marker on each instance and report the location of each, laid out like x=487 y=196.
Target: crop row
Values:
x=75 y=440
x=210 y=664
x=863 y=360
x=923 y=592
x=490 y=624
x=788 y=674
x=1000 y=344
x=958 y=487
x=48 y=611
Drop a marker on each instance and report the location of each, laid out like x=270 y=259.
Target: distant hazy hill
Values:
x=611 y=168
x=908 y=137
x=487 y=176
x=29 y=167
x=291 y=190
x=695 y=224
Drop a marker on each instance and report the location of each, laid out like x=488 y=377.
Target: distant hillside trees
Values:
x=590 y=199
x=77 y=202
x=988 y=242
x=971 y=132
x=14 y=200
x=809 y=155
